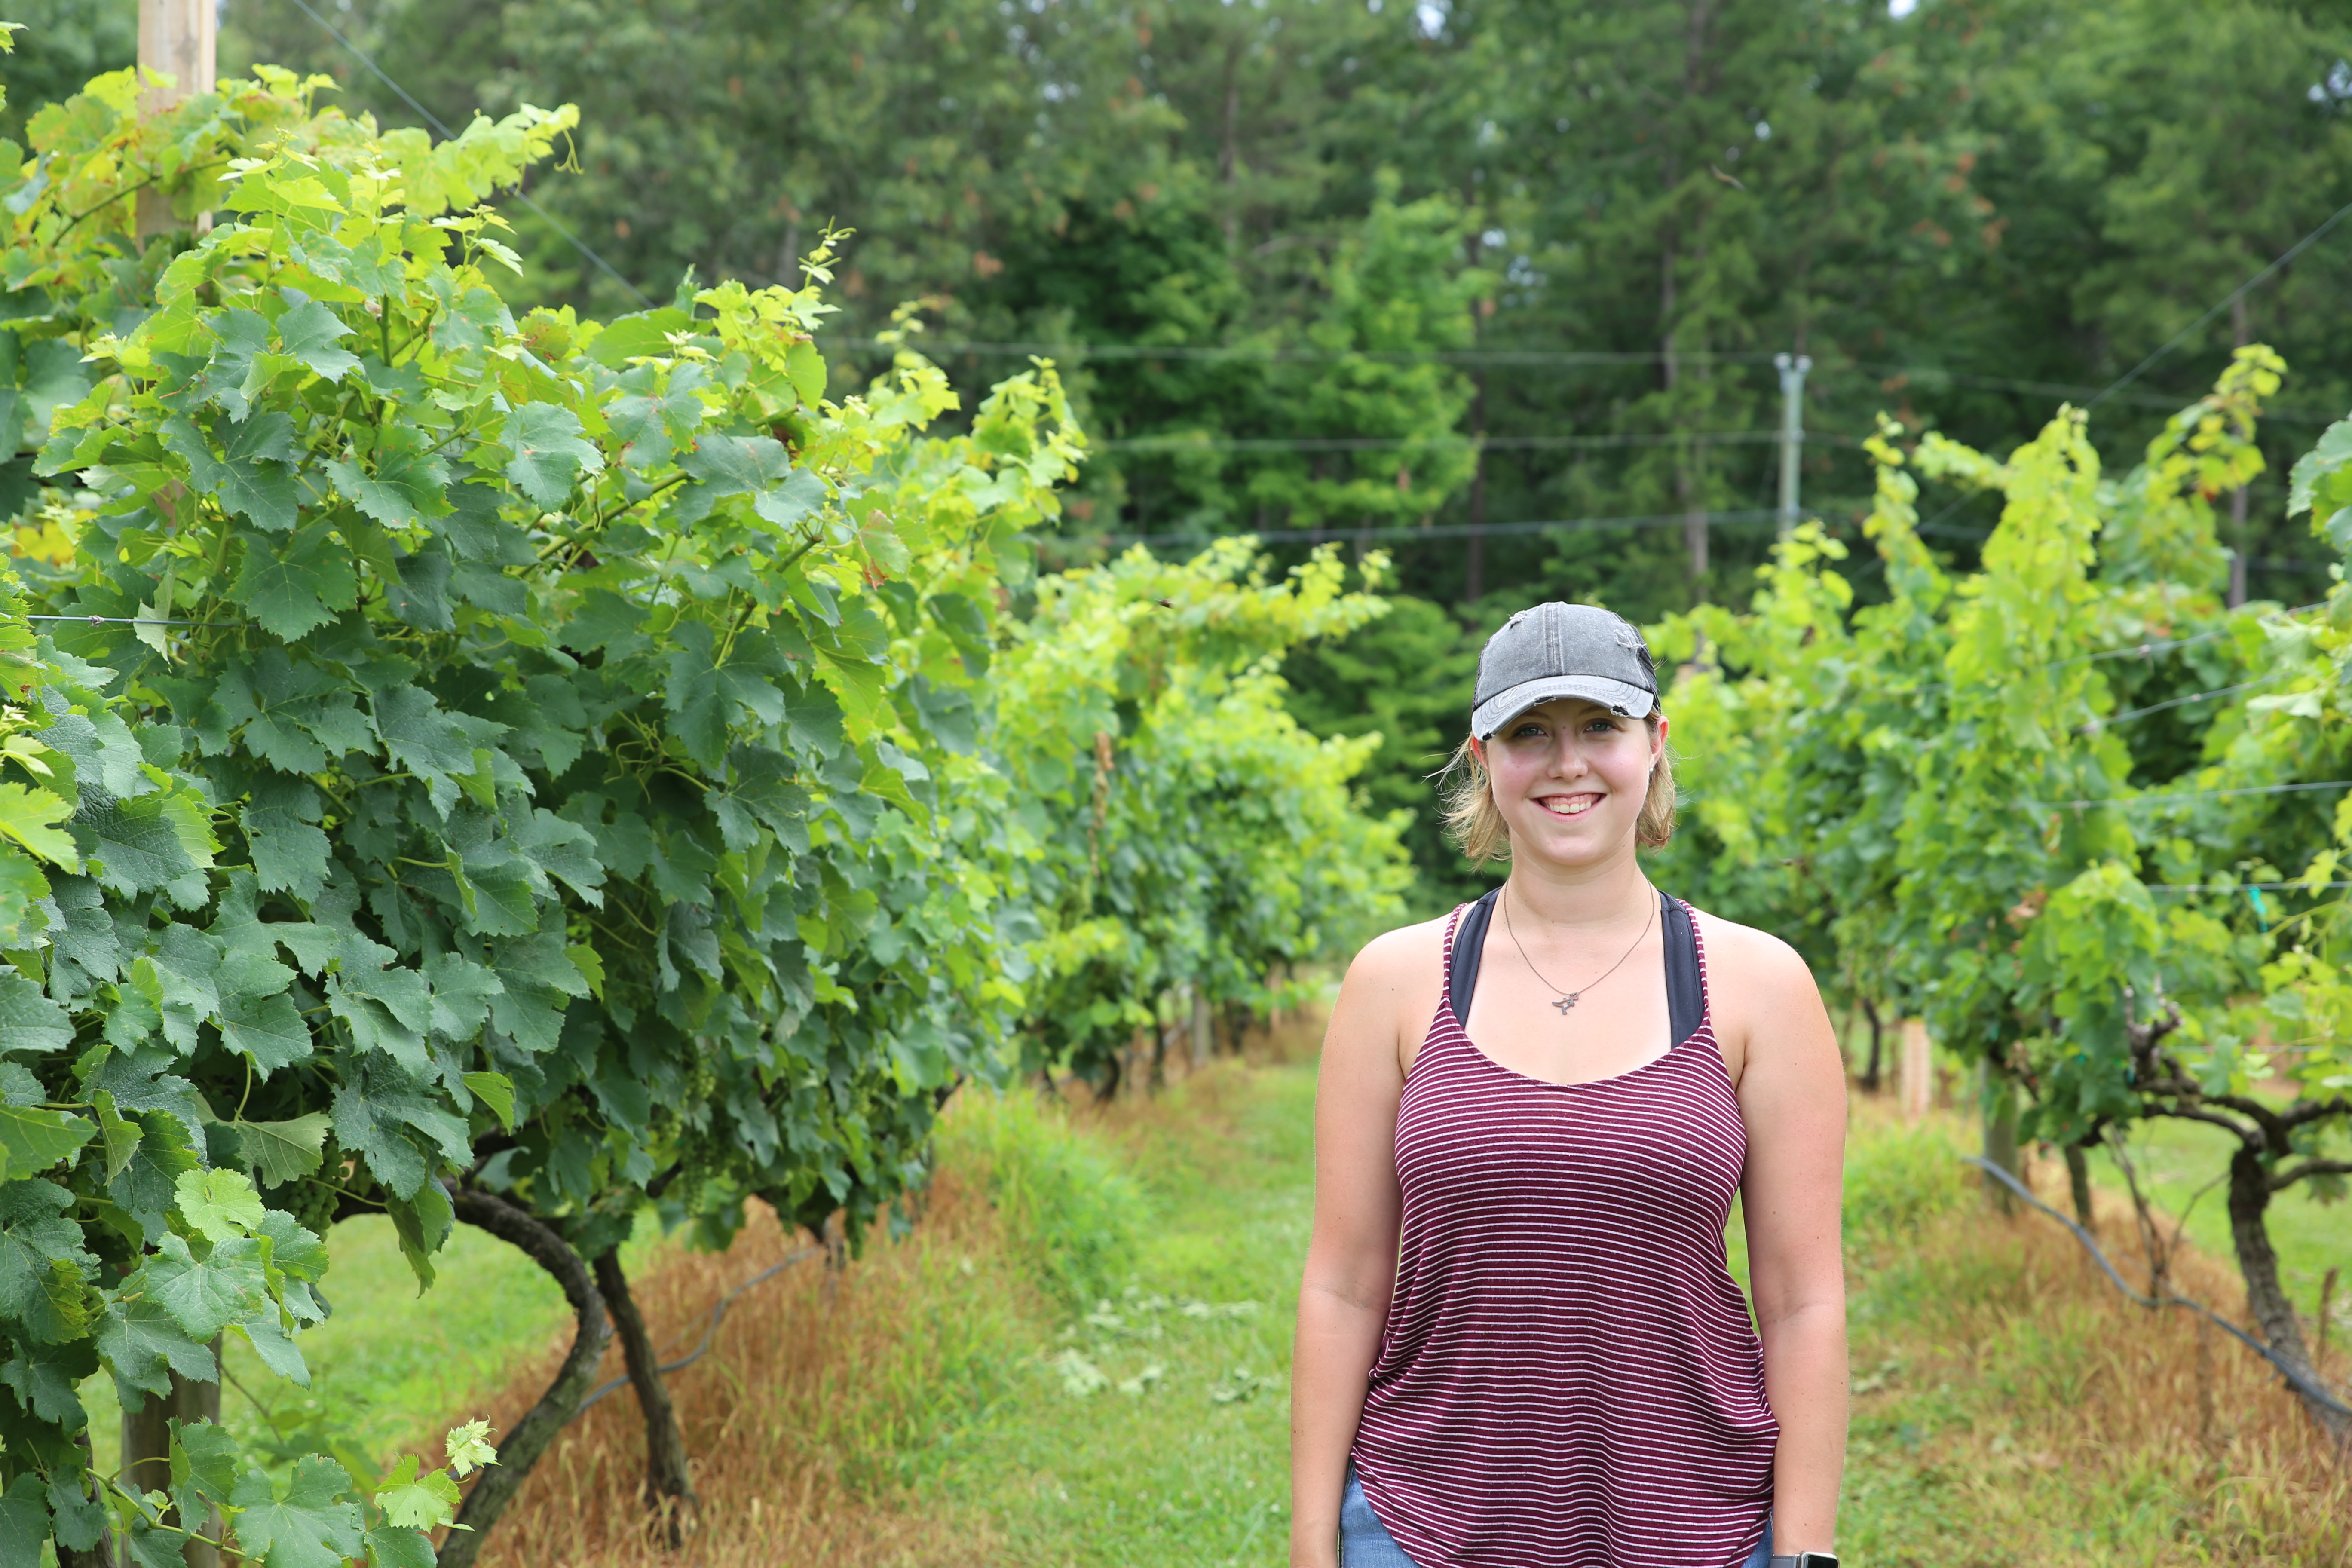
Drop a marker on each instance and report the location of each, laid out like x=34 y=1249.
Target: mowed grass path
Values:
x=2008 y=1407
x=1187 y=1467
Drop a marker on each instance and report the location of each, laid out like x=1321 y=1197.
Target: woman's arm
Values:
x=1343 y=1297
x=1792 y=1099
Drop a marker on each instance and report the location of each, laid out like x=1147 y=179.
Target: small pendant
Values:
x=1565 y=1003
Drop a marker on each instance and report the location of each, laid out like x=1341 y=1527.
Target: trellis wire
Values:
x=2131 y=713
x=2192 y=794
x=2303 y=1384
x=448 y=135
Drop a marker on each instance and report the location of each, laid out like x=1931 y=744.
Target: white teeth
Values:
x=1577 y=805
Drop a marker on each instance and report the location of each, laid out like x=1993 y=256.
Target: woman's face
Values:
x=1569 y=777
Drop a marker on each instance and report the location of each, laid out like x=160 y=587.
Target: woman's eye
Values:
x=1525 y=731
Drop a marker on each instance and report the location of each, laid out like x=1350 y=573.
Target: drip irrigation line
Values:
x=448 y=135
x=710 y=1332
x=2301 y=1382
x=2231 y=297
x=2131 y=713
x=2192 y=794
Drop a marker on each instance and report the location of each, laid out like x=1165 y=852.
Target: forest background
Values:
x=1494 y=286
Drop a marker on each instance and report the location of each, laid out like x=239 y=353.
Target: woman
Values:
x=1519 y=1343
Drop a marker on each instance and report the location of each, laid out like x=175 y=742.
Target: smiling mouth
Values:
x=1569 y=805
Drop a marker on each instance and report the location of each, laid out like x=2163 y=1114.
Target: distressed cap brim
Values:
x=1620 y=697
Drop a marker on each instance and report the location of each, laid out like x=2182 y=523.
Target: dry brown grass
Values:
x=2014 y=1407
x=819 y=1380
x=794 y=1419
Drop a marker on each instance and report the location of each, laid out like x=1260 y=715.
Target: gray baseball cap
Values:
x=1563 y=650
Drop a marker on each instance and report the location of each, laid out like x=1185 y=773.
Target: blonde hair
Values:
x=1475 y=822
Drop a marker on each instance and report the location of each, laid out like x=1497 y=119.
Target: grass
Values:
x=1078 y=1358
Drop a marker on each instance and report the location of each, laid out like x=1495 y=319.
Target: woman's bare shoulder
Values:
x=1406 y=951
x=1753 y=960
x=1391 y=989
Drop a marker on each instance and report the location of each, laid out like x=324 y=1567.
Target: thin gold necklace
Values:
x=1567 y=999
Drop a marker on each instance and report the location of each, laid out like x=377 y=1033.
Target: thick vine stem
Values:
x=537 y=1430
x=668 y=1489
x=2264 y=1137
x=2250 y=1200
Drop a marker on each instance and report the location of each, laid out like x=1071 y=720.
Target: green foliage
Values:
x=1406 y=678
x=477 y=676
x=1943 y=796
x=1070 y=1214
x=1169 y=823
x=567 y=758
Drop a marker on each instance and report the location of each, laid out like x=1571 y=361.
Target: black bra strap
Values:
x=1685 y=995
x=1469 y=946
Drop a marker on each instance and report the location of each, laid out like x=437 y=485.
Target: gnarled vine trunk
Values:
x=668 y=1489
x=537 y=1430
x=2266 y=1299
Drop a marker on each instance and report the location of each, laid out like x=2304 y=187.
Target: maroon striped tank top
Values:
x=1569 y=1377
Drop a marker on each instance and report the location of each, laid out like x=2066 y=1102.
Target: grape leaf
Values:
x=120 y=1134
x=737 y=465
x=145 y=1344
x=206 y=1294
x=30 y=816
x=23 y=1522
x=309 y=332
x=296 y=586
x=468 y=1447
x=44 y=1377
x=305 y=1523
x=29 y=1021
x=138 y=845
x=413 y=1501
x=549 y=453
x=273 y=1346
x=81 y=1518
x=282 y=1152
x=36 y=1236
x=405 y=486
x=269 y=1030
x=254 y=476
x=204 y=1466
x=32 y=1139
x=390 y=1548
x=146 y=1186
x=496 y=1090
x=419 y=591
x=219 y=1205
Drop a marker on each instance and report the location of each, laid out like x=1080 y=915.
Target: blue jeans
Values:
x=1365 y=1541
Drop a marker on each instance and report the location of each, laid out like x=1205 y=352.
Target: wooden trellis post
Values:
x=176 y=39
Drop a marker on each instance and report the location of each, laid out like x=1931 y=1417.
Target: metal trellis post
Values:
x=1793 y=371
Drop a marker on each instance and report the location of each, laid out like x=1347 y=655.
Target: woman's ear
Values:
x=1478 y=751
